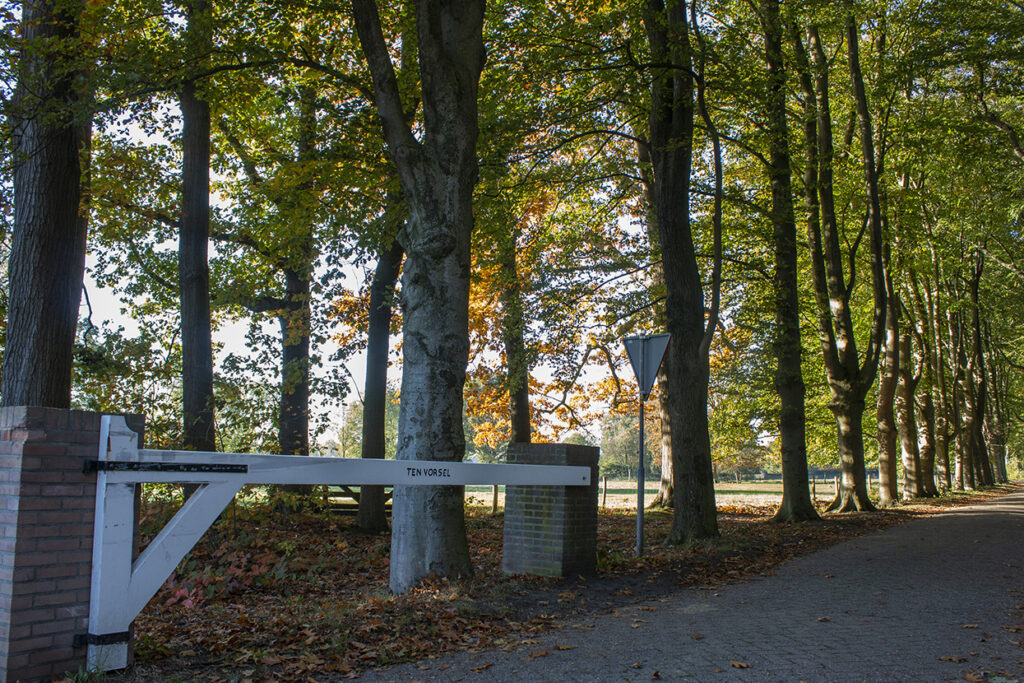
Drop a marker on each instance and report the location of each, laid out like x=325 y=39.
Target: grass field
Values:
x=621 y=494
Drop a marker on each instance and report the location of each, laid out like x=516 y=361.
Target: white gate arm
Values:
x=121 y=588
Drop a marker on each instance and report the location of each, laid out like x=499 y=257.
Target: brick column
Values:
x=47 y=504
x=551 y=530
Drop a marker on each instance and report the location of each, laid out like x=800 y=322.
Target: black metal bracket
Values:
x=131 y=466
x=83 y=639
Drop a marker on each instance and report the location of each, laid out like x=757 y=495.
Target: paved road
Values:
x=935 y=599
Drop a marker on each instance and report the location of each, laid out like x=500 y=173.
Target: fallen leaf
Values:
x=482 y=667
x=638 y=665
x=697 y=636
x=968 y=626
x=974 y=678
x=738 y=665
x=565 y=647
x=952 y=659
x=537 y=655
x=824 y=619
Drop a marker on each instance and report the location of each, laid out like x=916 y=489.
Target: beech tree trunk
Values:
x=666 y=487
x=995 y=420
x=980 y=380
x=295 y=320
x=886 y=433
x=913 y=486
x=437 y=173
x=796 y=505
x=925 y=400
x=372 y=516
x=50 y=129
x=671 y=127
x=513 y=326
x=193 y=263
x=926 y=407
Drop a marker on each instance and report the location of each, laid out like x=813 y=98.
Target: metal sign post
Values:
x=645 y=355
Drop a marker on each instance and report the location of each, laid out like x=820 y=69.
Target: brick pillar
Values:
x=551 y=530
x=47 y=504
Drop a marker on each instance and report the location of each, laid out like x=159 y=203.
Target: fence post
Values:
x=551 y=530
x=47 y=508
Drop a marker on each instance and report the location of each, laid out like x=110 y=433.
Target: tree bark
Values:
x=372 y=517
x=796 y=505
x=886 y=434
x=980 y=380
x=995 y=419
x=293 y=416
x=940 y=387
x=50 y=129
x=671 y=126
x=437 y=174
x=926 y=399
x=513 y=327
x=913 y=486
x=193 y=263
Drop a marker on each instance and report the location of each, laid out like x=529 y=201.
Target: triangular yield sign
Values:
x=645 y=355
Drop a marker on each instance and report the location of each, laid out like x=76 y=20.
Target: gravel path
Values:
x=935 y=599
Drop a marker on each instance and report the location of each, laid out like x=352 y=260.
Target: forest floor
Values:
x=299 y=596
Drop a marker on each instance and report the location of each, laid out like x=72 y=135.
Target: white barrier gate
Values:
x=121 y=587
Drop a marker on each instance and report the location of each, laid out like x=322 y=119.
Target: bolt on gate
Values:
x=121 y=587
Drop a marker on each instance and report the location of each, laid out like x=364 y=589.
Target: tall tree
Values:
x=438 y=172
x=671 y=138
x=796 y=503
x=50 y=127
x=849 y=376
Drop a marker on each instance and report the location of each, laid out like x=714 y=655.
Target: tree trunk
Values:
x=913 y=486
x=796 y=505
x=940 y=388
x=293 y=420
x=372 y=517
x=45 y=269
x=513 y=327
x=980 y=380
x=925 y=369
x=666 y=487
x=995 y=420
x=437 y=173
x=853 y=493
x=193 y=265
x=886 y=434
x=926 y=407
x=295 y=318
x=671 y=126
